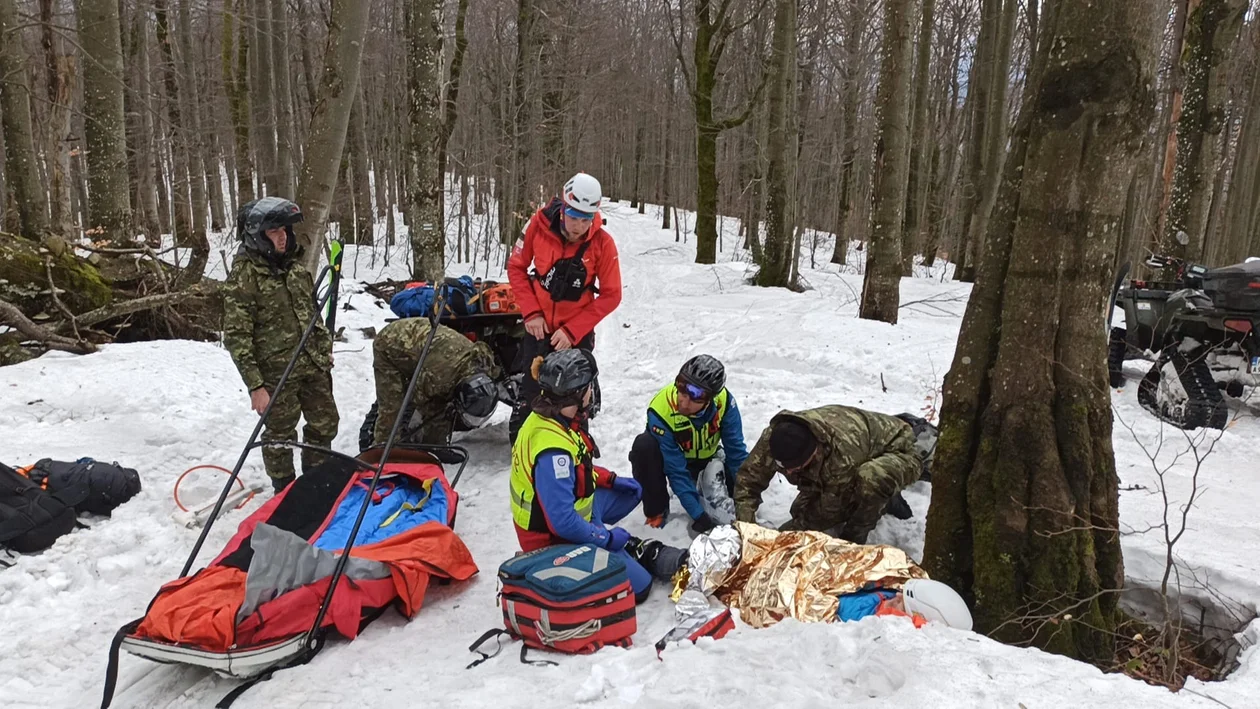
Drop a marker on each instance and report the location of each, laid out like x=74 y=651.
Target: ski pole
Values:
x=313 y=640
x=262 y=420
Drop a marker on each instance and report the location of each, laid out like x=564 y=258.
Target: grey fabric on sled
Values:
x=283 y=561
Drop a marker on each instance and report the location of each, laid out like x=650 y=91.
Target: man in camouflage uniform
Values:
x=847 y=463
x=452 y=362
x=267 y=305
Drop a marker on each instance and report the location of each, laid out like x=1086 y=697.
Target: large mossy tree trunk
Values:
x=1024 y=510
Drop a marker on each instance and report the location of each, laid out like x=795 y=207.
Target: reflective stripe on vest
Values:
x=696 y=444
x=539 y=434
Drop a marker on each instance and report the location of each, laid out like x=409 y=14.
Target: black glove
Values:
x=703 y=524
x=898 y=507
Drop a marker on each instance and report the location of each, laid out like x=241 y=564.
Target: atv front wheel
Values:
x=1180 y=390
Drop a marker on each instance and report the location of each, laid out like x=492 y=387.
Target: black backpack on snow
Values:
x=30 y=518
x=86 y=485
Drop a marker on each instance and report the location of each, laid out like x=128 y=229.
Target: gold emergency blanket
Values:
x=801 y=574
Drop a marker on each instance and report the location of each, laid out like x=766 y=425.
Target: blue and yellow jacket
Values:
x=688 y=440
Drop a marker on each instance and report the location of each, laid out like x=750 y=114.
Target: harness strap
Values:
x=111 y=670
x=493 y=633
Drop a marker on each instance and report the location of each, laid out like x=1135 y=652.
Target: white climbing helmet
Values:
x=583 y=193
x=937 y=602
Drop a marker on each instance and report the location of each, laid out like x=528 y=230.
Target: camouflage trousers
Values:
x=430 y=419
x=308 y=393
x=867 y=495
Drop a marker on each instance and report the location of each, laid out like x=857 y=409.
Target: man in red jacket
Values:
x=560 y=300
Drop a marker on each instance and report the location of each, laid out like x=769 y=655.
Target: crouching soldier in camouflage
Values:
x=847 y=464
x=456 y=388
x=267 y=305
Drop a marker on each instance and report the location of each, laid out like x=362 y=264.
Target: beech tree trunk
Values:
x=286 y=182
x=339 y=82
x=777 y=256
x=921 y=151
x=1212 y=29
x=1024 y=513
x=59 y=69
x=881 y=287
x=235 y=75
x=21 y=169
x=428 y=234
x=105 y=127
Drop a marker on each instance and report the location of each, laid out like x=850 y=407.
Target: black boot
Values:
x=279 y=484
x=658 y=559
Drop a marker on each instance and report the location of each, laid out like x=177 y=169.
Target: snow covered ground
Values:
x=164 y=407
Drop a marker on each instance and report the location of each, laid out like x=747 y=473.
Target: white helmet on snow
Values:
x=936 y=602
x=583 y=193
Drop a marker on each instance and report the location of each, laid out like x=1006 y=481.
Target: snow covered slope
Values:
x=163 y=407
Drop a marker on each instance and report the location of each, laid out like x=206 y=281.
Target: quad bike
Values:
x=1200 y=331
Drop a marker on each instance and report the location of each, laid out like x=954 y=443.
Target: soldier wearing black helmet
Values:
x=456 y=390
x=267 y=304
x=692 y=423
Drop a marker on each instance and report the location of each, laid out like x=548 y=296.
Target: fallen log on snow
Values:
x=52 y=297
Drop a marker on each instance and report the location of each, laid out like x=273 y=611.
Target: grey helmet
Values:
x=567 y=373
x=476 y=398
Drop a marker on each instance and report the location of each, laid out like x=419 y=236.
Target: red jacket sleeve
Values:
x=518 y=274
x=609 y=273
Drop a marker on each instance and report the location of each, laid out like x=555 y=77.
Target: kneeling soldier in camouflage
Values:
x=847 y=463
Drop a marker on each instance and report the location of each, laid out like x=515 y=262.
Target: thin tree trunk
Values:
x=286 y=181
x=881 y=286
x=21 y=169
x=994 y=139
x=1024 y=511
x=921 y=153
x=105 y=126
x=131 y=33
x=850 y=90
x=428 y=234
x=775 y=265
x=340 y=82
x=59 y=70
x=362 y=187
x=155 y=220
x=1244 y=187
x=194 y=140
x=1168 y=161
x=184 y=232
x=262 y=97
x=235 y=76
x=1212 y=29
x=521 y=124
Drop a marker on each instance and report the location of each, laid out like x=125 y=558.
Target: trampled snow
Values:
x=163 y=407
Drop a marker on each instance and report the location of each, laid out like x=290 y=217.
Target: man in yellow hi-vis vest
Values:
x=692 y=424
x=558 y=494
